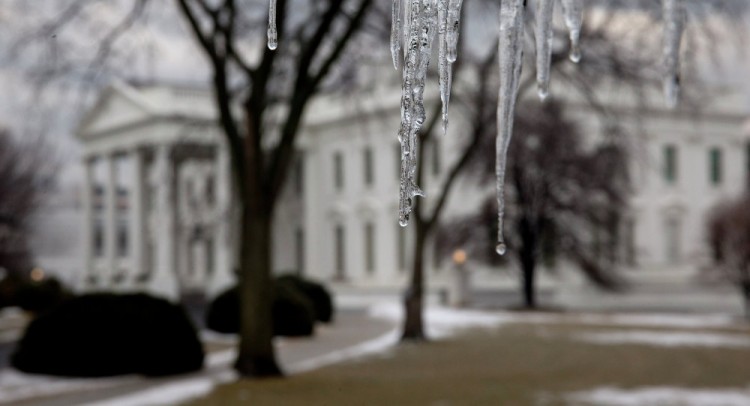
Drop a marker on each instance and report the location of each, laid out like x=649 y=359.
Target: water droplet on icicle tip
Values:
x=273 y=35
x=273 y=42
x=543 y=93
x=403 y=221
x=501 y=249
x=575 y=52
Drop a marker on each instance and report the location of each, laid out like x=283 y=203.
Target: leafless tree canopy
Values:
x=565 y=200
x=24 y=173
x=728 y=236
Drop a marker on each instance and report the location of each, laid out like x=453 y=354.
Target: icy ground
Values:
x=667 y=339
x=666 y=330
x=661 y=396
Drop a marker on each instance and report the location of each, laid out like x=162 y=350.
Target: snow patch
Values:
x=661 y=396
x=164 y=394
x=442 y=321
x=667 y=339
x=374 y=346
x=16 y=386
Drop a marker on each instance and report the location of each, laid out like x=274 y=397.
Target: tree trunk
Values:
x=414 y=297
x=528 y=265
x=256 y=353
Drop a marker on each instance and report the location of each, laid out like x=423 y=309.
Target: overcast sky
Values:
x=157 y=47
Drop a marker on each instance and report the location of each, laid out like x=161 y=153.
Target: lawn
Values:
x=517 y=364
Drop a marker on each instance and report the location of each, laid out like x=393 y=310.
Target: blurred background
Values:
x=123 y=224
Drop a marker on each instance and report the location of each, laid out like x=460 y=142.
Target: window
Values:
x=630 y=243
x=338 y=170
x=401 y=247
x=122 y=240
x=368 y=169
x=670 y=164
x=370 y=247
x=672 y=230
x=435 y=157
x=98 y=240
x=299 y=238
x=715 y=166
x=299 y=175
x=340 y=253
x=210 y=190
x=210 y=259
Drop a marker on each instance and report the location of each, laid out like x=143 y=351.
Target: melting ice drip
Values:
x=674 y=25
x=273 y=34
x=414 y=25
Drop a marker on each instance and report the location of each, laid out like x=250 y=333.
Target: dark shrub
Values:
x=107 y=334
x=315 y=292
x=223 y=313
x=9 y=287
x=292 y=312
x=39 y=297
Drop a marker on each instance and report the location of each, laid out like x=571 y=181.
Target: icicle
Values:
x=674 y=26
x=396 y=33
x=423 y=26
x=454 y=20
x=444 y=64
x=573 y=12
x=511 y=62
x=273 y=35
x=544 y=12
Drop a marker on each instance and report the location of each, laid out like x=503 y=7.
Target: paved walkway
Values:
x=352 y=328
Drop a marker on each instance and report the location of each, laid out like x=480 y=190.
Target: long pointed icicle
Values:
x=544 y=12
x=511 y=62
x=454 y=22
x=573 y=12
x=444 y=66
x=674 y=26
x=396 y=34
x=273 y=35
x=449 y=20
x=423 y=26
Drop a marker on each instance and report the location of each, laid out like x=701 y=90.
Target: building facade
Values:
x=158 y=212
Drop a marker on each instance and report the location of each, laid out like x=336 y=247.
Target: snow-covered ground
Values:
x=661 y=396
x=666 y=338
x=441 y=322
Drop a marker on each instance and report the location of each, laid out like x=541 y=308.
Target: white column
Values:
x=87 y=200
x=163 y=281
x=223 y=274
x=110 y=222
x=137 y=237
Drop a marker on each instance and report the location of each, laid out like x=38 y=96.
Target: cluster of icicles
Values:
x=415 y=24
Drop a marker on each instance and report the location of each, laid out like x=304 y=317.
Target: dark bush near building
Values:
x=293 y=313
x=42 y=296
x=106 y=335
x=9 y=286
x=32 y=296
x=315 y=292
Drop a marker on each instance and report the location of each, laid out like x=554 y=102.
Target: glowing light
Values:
x=459 y=257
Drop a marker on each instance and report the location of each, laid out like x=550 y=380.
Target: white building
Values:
x=158 y=212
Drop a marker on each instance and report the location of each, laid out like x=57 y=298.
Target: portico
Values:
x=156 y=196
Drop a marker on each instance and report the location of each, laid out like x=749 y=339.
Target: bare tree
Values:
x=305 y=58
x=728 y=236
x=25 y=170
x=564 y=201
x=261 y=97
x=620 y=51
